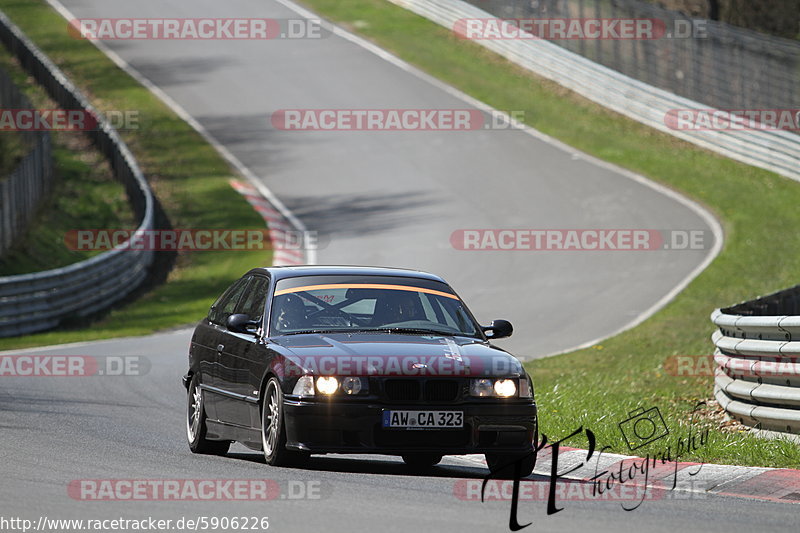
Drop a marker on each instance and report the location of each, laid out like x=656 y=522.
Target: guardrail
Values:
x=757 y=380
x=778 y=151
x=23 y=189
x=39 y=301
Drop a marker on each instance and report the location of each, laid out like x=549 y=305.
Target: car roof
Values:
x=283 y=272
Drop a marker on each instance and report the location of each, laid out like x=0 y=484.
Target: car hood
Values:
x=388 y=354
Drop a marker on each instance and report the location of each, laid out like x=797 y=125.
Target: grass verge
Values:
x=596 y=388
x=186 y=173
x=84 y=195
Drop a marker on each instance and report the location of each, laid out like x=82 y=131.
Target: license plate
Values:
x=423 y=419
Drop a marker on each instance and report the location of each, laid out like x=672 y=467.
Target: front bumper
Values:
x=341 y=427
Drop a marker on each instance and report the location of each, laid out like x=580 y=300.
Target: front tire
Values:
x=196 y=423
x=273 y=429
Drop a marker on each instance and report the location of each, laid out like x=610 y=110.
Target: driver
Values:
x=397 y=306
x=289 y=313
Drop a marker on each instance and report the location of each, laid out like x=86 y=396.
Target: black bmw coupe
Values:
x=321 y=359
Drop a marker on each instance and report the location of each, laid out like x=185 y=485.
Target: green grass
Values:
x=597 y=387
x=84 y=195
x=188 y=176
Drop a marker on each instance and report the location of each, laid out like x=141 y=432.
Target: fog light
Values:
x=304 y=387
x=351 y=385
x=327 y=384
x=505 y=388
x=481 y=387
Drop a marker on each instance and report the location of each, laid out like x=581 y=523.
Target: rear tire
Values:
x=503 y=466
x=273 y=429
x=196 y=423
x=421 y=461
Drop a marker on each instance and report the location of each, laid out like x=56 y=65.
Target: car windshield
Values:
x=382 y=305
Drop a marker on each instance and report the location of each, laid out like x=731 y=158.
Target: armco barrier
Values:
x=758 y=361
x=778 y=151
x=39 y=301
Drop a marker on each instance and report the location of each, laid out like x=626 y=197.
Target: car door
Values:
x=211 y=342
x=255 y=361
x=241 y=359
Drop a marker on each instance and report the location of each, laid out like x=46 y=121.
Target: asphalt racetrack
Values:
x=380 y=198
x=390 y=198
x=59 y=431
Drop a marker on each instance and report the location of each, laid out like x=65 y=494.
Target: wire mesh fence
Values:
x=24 y=188
x=716 y=64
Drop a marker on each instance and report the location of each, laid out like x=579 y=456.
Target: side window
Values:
x=226 y=303
x=254 y=299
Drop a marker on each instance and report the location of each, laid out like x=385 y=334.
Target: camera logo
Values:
x=643 y=427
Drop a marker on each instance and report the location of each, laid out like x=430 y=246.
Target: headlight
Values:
x=351 y=385
x=327 y=384
x=304 y=387
x=505 y=388
x=493 y=388
x=482 y=387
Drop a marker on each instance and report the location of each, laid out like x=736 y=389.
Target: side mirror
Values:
x=498 y=329
x=241 y=323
